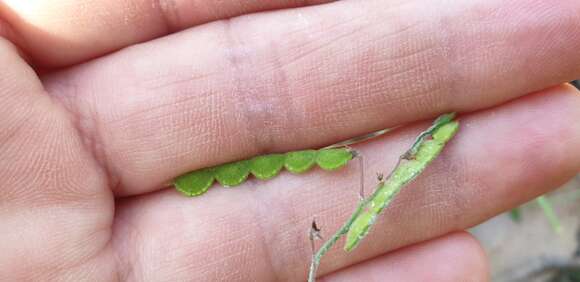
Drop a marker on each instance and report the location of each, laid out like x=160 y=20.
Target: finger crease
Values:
x=168 y=13
x=264 y=100
x=86 y=126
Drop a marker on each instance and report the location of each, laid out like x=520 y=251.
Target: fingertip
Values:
x=454 y=257
x=465 y=250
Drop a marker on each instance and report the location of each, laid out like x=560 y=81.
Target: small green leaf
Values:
x=195 y=183
x=232 y=174
x=426 y=151
x=300 y=161
x=267 y=166
x=331 y=159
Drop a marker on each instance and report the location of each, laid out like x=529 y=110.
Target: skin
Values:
x=94 y=125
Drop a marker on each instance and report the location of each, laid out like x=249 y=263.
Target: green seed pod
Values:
x=262 y=167
x=195 y=183
x=424 y=150
x=331 y=159
x=405 y=172
x=232 y=174
x=300 y=161
x=267 y=166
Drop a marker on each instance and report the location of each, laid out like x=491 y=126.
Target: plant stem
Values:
x=328 y=244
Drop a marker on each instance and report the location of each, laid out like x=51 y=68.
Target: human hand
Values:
x=88 y=145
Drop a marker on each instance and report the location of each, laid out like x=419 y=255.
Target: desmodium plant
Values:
x=411 y=164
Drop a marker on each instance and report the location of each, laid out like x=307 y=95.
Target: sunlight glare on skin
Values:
x=22 y=7
x=36 y=15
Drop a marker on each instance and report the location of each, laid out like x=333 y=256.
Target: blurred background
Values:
x=530 y=248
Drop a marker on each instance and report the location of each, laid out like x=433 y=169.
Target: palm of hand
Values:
x=86 y=150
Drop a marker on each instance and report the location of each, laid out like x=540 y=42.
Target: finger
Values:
x=227 y=91
x=6 y=32
x=55 y=207
x=501 y=157
x=86 y=29
x=454 y=257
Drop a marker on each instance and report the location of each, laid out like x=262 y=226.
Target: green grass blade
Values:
x=550 y=213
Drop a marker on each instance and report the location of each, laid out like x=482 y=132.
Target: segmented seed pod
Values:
x=262 y=167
